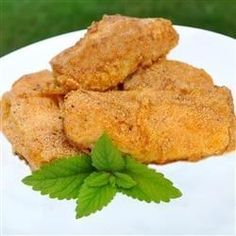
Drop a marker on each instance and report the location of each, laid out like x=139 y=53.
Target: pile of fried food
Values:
x=117 y=80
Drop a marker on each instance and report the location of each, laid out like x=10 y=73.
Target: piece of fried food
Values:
x=32 y=123
x=154 y=127
x=169 y=74
x=112 y=49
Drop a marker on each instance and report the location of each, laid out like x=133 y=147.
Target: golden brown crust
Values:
x=169 y=74
x=112 y=49
x=154 y=127
x=33 y=123
x=32 y=84
x=171 y=112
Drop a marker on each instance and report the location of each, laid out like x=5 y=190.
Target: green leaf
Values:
x=97 y=179
x=105 y=156
x=150 y=185
x=92 y=199
x=124 y=180
x=112 y=180
x=61 y=178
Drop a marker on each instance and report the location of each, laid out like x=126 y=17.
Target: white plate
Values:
x=207 y=205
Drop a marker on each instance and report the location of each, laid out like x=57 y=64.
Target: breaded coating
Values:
x=33 y=123
x=32 y=84
x=169 y=74
x=112 y=49
x=154 y=127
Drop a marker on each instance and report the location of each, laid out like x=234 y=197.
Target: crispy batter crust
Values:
x=112 y=49
x=33 y=123
x=169 y=74
x=153 y=126
x=169 y=110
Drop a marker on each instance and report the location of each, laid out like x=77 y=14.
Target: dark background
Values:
x=27 y=21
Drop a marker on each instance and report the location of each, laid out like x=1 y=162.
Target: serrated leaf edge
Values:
x=98 y=209
x=133 y=197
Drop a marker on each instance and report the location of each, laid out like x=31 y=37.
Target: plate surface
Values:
x=208 y=202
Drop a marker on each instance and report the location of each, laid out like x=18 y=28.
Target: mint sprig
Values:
x=150 y=185
x=92 y=199
x=95 y=179
x=61 y=178
x=105 y=156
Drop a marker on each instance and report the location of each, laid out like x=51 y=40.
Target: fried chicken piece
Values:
x=154 y=127
x=32 y=84
x=169 y=74
x=33 y=123
x=112 y=49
